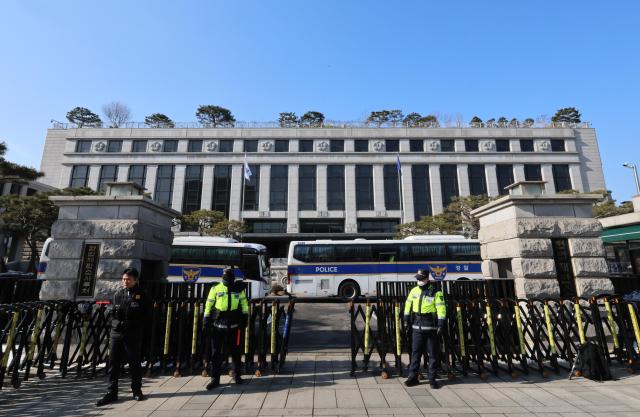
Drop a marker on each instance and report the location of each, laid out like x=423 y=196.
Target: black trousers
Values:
x=125 y=348
x=424 y=341
x=225 y=341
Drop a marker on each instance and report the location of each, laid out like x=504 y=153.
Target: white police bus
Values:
x=202 y=259
x=349 y=268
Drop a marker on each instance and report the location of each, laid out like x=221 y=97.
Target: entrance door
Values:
x=564 y=271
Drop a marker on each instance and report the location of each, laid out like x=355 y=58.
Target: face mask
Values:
x=422 y=283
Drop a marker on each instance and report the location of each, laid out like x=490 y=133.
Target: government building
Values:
x=322 y=183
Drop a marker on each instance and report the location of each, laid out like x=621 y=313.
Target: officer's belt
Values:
x=225 y=326
x=425 y=315
x=419 y=327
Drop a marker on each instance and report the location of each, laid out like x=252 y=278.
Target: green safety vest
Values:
x=420 y=302
x=221 y=299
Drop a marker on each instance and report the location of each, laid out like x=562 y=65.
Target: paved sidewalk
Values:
x=320 y=385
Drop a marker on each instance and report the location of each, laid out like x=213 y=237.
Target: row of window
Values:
x=381 y=252
x=364 y=225
x=307 y=185
x=306 y=145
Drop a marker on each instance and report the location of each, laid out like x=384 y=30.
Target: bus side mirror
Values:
x=249 y=266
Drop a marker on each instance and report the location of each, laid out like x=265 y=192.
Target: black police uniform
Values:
x=130 y=311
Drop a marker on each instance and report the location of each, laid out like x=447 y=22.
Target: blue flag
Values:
x=247 y=170
x=398 y=165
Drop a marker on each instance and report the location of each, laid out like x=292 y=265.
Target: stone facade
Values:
x=129 y=229
x=516 y=232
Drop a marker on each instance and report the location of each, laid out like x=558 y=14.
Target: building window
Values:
x=267 y=226
x=392 y=145
x=278 y=190
x=305 y=145
x=377 y=225
x=557 y=145
x=532 y=172
x=321 y=225
x=505 y=178
x=225 y=145
x=477 y=180
x=194 y=146
x=139 y=146
x=307 y=187
x=335 y=187
x=502 y=145
x=391 y=187
x=79 y=176
x=192 y=189
x=416 y=145
x=561 y=178
x=449 y=183
x=447 y=145
x=421 y=191
x=15 y=189
x=83 y=146
x=471 y=145
x=108 y=173
x=170 y=146
x=336 y=145
x=526 y=145
x=164 y=185
x=364 y=187
x=250 y=145
x=137 y=174
x=221 y=189
x=282 y=145
x=361 y=145
x=252 y=189
x=114 y=146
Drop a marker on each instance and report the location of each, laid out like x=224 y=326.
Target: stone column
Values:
x=378 y=188
x=491 y=177
x=351 y=216
x=321 y=184
x=178 y=187
x=150 y=180
x=123 y=173
x=207 y=187
x=236 y=191
x=576 y=178
x=407 y=194
x=463 y=180
x=265 y=189
x=94 y=177
x=589 y=265
x=547 y=175
x=436 y=188
x=518 y=172
x=292 y=201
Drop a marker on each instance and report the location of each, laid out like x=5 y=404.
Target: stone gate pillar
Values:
x=97 y=237
x=549 y=244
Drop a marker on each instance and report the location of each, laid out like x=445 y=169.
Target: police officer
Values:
x=225 y=312
x=429 y=310
x=130 y=310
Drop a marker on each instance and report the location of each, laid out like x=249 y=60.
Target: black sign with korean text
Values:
x=88 y=270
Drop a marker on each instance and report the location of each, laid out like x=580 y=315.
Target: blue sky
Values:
x=343 y=58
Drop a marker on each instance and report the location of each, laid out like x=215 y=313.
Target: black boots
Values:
x=138 y=396
x=434 y=384
x=411 y=382
x=108 y=398
x=215 y=382
x=237 y=379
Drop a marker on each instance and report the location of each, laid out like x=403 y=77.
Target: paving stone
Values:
x=177 y=413
x=349 y=398
x=300 y=398
x=373 y=398
x=324 y=398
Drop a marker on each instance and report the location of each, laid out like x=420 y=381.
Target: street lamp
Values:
x=635 y=174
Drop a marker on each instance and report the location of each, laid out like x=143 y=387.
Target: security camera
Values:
x=626 y=164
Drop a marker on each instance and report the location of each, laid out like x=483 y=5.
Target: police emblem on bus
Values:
x=190 y=275
x=438 y=272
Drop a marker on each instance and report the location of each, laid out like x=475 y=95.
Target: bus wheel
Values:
x=349 y=289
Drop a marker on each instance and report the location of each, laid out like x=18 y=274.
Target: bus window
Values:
x=321 y=253
x=464 y=251
x=427 y=252
x=353 y=253
x=186 y=254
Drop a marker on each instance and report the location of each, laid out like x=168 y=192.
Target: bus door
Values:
x=387 y=268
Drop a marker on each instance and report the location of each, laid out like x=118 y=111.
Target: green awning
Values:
x=620 y=234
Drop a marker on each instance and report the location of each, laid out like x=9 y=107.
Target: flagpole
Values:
x=243 y=188
x=400 y=190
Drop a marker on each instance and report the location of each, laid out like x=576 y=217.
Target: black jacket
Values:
x=131 y=309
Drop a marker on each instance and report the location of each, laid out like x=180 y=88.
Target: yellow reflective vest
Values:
x=225 y=299
x=422 y=302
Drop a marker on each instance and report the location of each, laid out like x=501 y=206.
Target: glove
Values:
x=407 y=322
x=440 y=326
x=206 y=323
